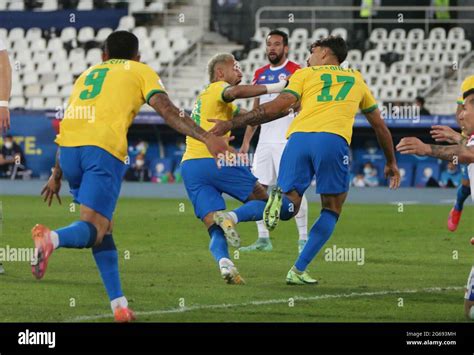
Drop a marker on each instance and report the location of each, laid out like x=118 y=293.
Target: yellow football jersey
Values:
x=209 y=104
x=466 y=85
x=104 y=101
x=330 y=98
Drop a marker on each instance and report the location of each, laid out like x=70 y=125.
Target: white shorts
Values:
x=266 y=162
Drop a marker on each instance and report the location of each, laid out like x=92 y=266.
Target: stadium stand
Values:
x=423 y=58
x=398 y=64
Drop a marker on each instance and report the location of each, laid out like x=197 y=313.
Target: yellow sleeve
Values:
x=218 y=90
x=151 y=83
x=295 y=85
x=368 y=102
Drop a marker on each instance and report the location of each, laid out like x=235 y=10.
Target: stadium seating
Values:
x=423 y=57
x=48 y=65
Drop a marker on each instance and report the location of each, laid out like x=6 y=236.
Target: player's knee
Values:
x=110 y=229
x=295 y=200
x=259 y=193
x=208 y=220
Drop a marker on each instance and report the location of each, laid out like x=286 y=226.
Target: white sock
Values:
x=262 y=230
x=233 y=216
x=302 y=219
x=55 y=239
x=119 y=302
x=224 y=262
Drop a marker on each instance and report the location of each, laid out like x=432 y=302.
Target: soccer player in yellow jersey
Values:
x=447 y=134
x=318 y=142
x=204 y=182
x=92 y=152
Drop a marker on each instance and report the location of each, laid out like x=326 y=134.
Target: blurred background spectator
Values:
x=138 y=171
x=12 y=160
x=370 y=175
x=420 y=102
x=358 y=180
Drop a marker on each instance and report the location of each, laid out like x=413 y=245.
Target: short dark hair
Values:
x=279 y=33
x=467 y=93
x=336 y=44
x=121 y=45
x=421 y=100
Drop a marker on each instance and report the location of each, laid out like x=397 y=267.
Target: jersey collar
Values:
x=280 y=67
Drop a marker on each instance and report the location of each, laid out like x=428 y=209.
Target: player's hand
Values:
x=244 y=149
x=412 y=145
x=51 y=189
x=221 y=127
x=392 y=173
x=4 y=119
x=445 y=134
x=219 y=147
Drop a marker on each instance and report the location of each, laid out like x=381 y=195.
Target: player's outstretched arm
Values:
x=446 y=134
x=182 y=123
x=267 y=112
x=5 y=90
x=249 y=131
x=245 y=91
x=384 y=137
x=458 y=154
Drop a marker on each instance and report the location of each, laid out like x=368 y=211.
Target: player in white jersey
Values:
x=5 y=90
x=272 y=139
x=460 y=152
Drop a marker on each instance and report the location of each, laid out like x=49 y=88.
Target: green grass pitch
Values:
x=168 y=274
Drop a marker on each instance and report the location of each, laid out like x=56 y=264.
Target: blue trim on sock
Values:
x=78 y=235
x=218 y=244
x=288 y=209
x=106 y=259
x=335 y=214
x=107 y=244
x=319 y=234
x=462 y=194
x=250 y=211
x=92 y=234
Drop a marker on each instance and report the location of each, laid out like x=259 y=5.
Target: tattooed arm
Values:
x=181 y=122
x=270 y=111
x=458 y=154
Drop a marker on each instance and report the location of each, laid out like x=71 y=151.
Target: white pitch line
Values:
x=274 y=301
x=405 y=202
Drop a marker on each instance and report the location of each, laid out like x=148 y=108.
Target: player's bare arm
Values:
x=181 y=122
x=5 y=90
x=384 y=137
x=456 y=153
x=246 y=91
x=53 y=186
x=249 y=131
x=267 y=112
